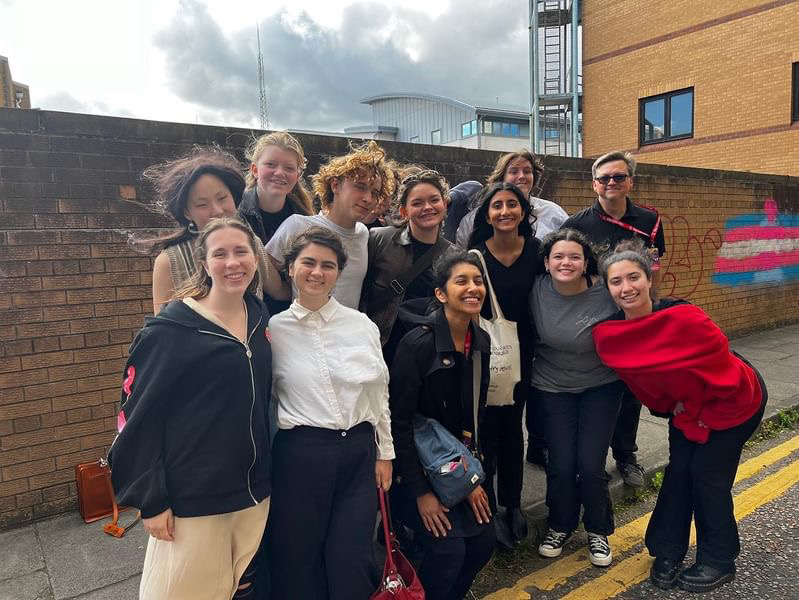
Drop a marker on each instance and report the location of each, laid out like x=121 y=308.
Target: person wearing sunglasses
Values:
x=611 y=218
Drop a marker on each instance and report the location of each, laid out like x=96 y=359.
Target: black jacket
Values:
x=250 y=212
x=194 y=434
x=429 y=377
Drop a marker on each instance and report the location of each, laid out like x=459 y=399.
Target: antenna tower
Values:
x=261 y=83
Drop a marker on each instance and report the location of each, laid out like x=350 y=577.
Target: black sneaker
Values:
x=632 y=473
x=599 y=550
x=553 y=543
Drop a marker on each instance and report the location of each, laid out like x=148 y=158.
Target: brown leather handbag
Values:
x=96 y=498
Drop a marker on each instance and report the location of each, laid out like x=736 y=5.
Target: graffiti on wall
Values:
x=759 y=248
x=689 y=256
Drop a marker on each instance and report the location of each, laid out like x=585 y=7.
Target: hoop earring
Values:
x=192 y=227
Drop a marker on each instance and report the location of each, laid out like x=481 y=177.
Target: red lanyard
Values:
x=467 y=342
x=627 y=226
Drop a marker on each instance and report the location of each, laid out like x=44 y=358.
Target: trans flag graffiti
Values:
x=759 y=248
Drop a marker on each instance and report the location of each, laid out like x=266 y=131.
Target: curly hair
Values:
x=413 y=175
x=567 y=234
x=367 y=161
x=299 y=194
x=631 y=249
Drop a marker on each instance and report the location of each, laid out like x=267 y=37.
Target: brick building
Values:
x=13 y=94
x=73 y=293
x=700 y=84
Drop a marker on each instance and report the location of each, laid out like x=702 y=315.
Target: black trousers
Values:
x=322 y=516
x=698 y=483
x=534 y=419
x=578 y=428
x=503 y=450
x=626 y=429
x=450 y=565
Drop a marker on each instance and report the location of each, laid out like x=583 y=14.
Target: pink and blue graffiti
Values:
x=759 y=248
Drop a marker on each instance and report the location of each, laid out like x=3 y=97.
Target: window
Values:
x=487 y=125
x=435 y=136
x=795 y=94
x=469 y=128
x=666 y=117
x=514 y=130
x=506 y=129
x=414 y=139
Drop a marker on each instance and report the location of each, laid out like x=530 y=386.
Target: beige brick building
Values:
x=700 y=84
x=12 y=93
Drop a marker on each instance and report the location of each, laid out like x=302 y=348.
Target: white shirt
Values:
x=549 y=216
x=328 y=371
x=355 y=241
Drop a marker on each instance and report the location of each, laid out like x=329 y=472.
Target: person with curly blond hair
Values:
x=349 y=188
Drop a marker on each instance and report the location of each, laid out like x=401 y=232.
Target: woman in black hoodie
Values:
x=192 y=452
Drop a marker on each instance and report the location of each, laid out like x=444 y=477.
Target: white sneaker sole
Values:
x=550 y=552
x=600 y=561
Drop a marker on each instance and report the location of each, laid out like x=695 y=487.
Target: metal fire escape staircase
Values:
x=556 y=89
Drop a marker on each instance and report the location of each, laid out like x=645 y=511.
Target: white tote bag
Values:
x=505 y=364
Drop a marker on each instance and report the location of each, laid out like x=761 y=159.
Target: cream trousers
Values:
x=207 y=557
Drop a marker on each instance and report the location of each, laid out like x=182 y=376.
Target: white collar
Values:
x=326 y=312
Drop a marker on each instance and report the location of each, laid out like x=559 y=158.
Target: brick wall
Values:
x=72 y=294
x=737 y=55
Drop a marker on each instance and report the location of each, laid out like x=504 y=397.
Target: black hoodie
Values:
x=194 y=434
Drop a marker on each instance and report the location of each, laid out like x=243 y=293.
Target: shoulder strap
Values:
x=112 y=528
x=476 y=376
x=496 y=311
x=399 y=285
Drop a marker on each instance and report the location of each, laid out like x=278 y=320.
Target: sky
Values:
x=195 y=61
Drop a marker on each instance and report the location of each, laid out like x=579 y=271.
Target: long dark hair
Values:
x=172 y=182
x=482 y=229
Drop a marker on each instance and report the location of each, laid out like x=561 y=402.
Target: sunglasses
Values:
x=605 y=179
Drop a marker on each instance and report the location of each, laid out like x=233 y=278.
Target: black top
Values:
x=195 y=407
x=424 y=283
x=512 y=286
x=272 y=221
x=606 y=235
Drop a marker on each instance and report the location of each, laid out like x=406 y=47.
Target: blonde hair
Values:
x=366 y=161
x=299 y=195
x=199 y=284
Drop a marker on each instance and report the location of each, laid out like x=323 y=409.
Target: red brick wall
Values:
x=72 y=294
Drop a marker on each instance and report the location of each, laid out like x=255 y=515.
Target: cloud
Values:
x=66 y=102
x=316 y=75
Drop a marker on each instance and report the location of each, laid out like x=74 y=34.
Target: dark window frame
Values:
x=667 y=137
x=795 y=93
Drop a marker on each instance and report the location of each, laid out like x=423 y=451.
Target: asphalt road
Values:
x=767 y=508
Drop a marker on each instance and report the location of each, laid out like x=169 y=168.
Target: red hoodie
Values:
x=679 y=355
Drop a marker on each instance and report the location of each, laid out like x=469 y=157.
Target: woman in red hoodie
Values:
x=679 y=364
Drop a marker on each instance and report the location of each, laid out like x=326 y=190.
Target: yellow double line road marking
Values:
x=630 y=571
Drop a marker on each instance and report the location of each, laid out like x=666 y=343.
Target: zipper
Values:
x=248 y=352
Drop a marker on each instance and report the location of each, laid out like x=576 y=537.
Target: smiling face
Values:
x=229 y=261
x=354 y=199
x=613 y=191
x=424 y=207
x=314 y=272
x=208 y=198
x=520 y=173
x=464 y=290
x=566 y=262
x=277 y=171
x=630 y=288
x=504 y=211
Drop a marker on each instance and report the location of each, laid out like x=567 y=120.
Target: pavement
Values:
x=63 y=558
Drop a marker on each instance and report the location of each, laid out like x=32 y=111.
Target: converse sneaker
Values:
x=599 y=550
x=553 y=543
